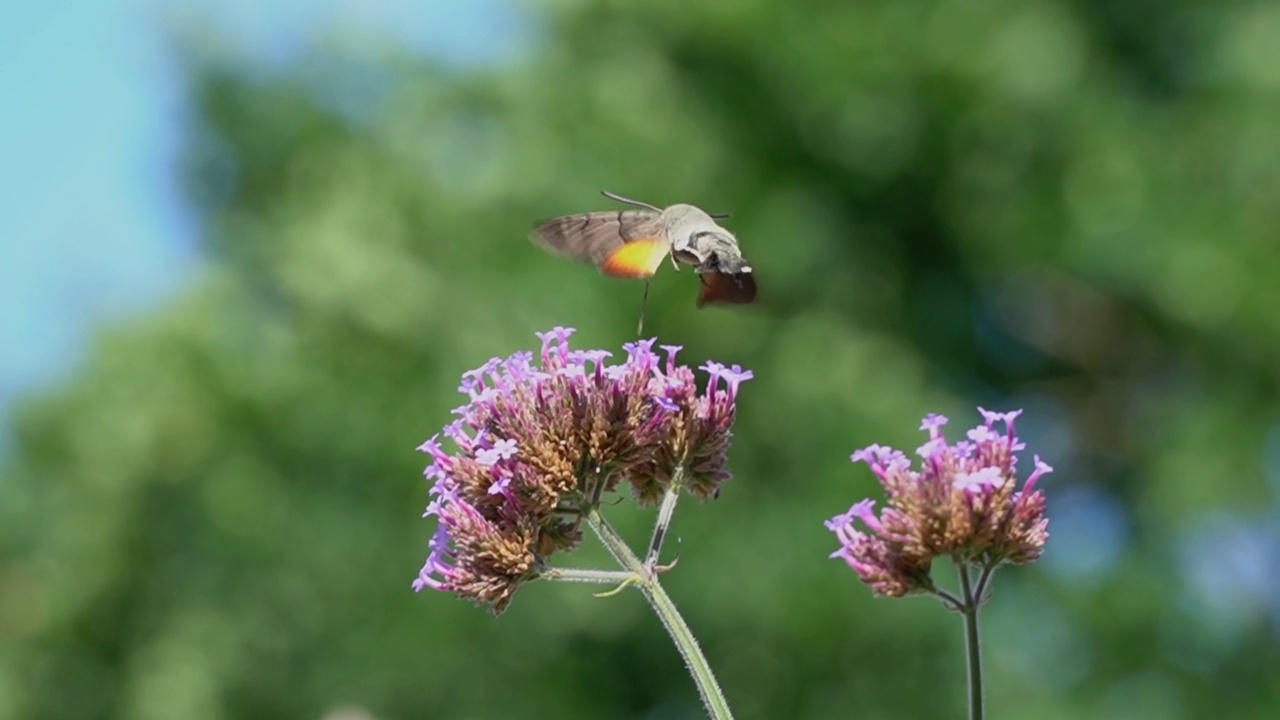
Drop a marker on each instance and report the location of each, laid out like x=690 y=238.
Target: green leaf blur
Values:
x=1068 y=207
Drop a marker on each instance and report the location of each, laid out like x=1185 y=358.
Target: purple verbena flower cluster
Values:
x=962 y=503
x=538 y=445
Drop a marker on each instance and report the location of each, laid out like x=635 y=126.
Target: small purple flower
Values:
x=501 y=450
x=963 y=503
x=536 y=444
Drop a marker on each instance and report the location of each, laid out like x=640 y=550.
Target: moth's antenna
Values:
x=720 y=216
x=629 y=201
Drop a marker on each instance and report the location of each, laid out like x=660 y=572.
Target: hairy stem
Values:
x=973 y=644
x=602 y=577
x=949 y=601
x=984 y=580
x=665 y=513
x=647 y=580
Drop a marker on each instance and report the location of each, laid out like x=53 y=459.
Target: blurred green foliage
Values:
x=1064 y=206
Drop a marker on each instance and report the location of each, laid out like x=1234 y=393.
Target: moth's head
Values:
x=727 y=263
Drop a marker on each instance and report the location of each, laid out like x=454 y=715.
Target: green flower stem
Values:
x=973 y=644
x=949 y=601
x=601 y=577
x=665 y=512
x=647 y=581
x=984 y=580
x=712 y=696
x=614 y=543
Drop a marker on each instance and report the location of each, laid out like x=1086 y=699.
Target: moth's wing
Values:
x=622 y=243
x=726 y=288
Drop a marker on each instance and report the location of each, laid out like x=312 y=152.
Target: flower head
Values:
x=962 y=503
x=538 y=444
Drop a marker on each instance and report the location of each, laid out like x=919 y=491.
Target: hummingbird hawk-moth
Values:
x=634 y=244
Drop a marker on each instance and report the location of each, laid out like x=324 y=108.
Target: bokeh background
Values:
x=246 y=251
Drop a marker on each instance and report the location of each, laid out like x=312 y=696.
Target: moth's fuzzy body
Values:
x=634 y=243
